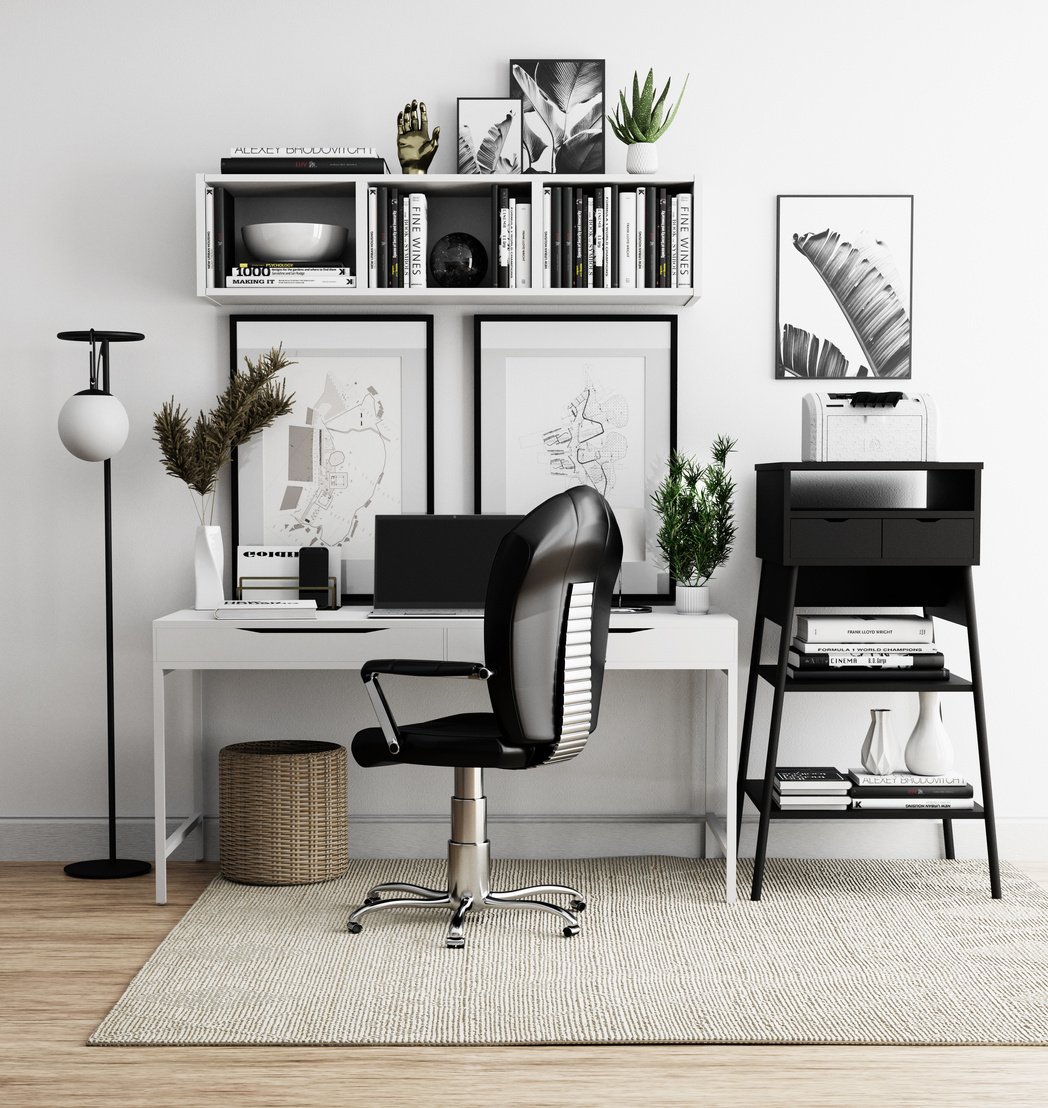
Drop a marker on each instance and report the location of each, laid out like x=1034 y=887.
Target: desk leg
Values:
x=731 y=743
x=198 y=759
x=159 y=786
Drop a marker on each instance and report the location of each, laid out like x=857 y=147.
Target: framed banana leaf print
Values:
x=563 y=124
x=489 y=134
x=844 y=278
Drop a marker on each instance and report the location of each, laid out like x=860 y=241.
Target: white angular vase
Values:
x=692 y=599
x=207 y=567
x=642 y=157
x=929 y=751
x=880 y=752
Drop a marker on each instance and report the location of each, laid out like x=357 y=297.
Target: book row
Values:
x=827 y=788
x=398 y=233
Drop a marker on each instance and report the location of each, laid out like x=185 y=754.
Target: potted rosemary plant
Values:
x=697 y=524
x=643 y=124
x=195 y=454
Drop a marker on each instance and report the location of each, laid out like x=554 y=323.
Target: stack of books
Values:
x=398 y=229
x=267 y=609
x=908 y=790
x=283 y=275
x=511 y=232
x=821 y=787
x=867 y=647
x=607 y=236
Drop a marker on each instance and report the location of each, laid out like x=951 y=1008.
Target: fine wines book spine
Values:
x=684 y=240
x=418 y=235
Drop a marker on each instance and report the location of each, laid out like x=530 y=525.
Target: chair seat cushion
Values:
x=468 y=739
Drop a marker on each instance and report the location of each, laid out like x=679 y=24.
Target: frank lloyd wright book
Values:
x=811 y=779
x=859 y=628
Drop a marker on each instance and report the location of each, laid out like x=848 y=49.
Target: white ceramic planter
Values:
x=693 y=599
x=642 y=157
x=928 y=750
x=207 y=567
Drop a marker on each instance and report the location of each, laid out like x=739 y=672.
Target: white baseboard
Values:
x=1020 y=840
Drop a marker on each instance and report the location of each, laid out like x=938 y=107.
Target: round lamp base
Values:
x=105 y=869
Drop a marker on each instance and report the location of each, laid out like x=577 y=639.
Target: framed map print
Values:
x=358 y=442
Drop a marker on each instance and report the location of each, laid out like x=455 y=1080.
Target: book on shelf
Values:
x=674 y=216
x=404 y=275
x=861 y=779
x=418 y=232
x=611 y=236
x=209 y=235
x=831 y=648
x=863 y=659
x=372 y=237
x=355 y=164
x=556 y=266
x=902 y=791
x=684 y=240
x=224 y=252
x=267 y=609
x=860 y=628
x=641 y=251
x=511 y=233
x=567 y=220
x=522 y=245
x=598 y=218
x=501 y=239
x=824 y=802
x=547 y=237
x=901 y=803
x=278 y=280
x=628 y=240
x=303 y=152
x=871 y=673
x=807 y=780
x=395 y=279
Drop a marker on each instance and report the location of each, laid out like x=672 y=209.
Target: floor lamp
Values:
x=93 y=426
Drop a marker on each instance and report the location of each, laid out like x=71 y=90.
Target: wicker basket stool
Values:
x=282 y=812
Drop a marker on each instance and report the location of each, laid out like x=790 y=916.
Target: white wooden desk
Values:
x=662 y=640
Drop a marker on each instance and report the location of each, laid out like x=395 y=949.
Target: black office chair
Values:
x=545 y=638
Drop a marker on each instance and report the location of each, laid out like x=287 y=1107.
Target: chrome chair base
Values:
x=468 y=869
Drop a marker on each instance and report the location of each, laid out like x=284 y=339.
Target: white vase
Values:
x=880 y=752
x=693 y=599
x=642 y=157
x=928 y=750
x=207 y=567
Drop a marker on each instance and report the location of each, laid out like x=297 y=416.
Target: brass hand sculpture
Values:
x=415 y=148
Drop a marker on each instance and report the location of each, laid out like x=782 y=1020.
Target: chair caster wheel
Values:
x=455 y=944
x=577 y=905
x=371 y=900
x=354 y=928
x=574 y=929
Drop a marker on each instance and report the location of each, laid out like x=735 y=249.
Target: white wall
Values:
x=111 y=107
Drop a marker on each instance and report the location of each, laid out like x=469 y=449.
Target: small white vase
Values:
x=692 y=599
x=642 y=157
x=207 y=567
x=880 y=752
x=929 y=751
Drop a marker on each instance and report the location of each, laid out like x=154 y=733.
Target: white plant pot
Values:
x=881 y=752
x=642 y=157
x=693 y=599
x=207 y=567
x=928 y=750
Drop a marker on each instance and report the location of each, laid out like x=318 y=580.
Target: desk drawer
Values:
x=835 y=539
x=939 y=541
x=213 y=645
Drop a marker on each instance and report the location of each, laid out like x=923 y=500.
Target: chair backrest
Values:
x=546 y=621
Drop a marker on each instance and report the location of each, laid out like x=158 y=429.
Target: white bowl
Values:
x=295 y=242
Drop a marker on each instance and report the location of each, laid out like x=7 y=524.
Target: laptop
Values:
x=437 y=567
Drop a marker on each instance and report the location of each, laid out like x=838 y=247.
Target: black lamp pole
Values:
x=111 y=867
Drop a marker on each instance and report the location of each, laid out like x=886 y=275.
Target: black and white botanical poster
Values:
x=563 y=125
x=489 y=134
x=843 y=286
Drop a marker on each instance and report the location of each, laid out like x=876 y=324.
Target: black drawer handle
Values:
x=842 y=519
x=930 y=519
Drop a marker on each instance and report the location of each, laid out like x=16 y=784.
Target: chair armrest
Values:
x=415 y=667
x=409 y=667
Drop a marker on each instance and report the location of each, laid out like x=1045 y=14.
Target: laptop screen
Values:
x=425 y=562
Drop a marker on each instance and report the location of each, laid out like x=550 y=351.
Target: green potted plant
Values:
x=695 y=504
x=195 y=454
x=641 y=126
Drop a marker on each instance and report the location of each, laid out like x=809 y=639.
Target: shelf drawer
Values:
x=835 y=539
x=941 y=541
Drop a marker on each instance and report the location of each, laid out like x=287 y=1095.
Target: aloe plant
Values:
x=646 y=121
x=860 y=280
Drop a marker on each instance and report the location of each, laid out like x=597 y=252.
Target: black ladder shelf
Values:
x=818 y=552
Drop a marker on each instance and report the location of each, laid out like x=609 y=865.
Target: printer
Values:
x=867 y=427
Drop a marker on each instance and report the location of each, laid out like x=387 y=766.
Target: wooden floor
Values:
x=68 y=948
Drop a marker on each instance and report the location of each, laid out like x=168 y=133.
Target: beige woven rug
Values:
x=837 y=952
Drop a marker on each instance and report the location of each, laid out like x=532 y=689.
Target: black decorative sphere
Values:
x=458 y=261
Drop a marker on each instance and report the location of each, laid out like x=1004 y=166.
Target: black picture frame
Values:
x=529 y=371
x=488 y=135
x=844 y=287
x=564 y=113
x=397 y=349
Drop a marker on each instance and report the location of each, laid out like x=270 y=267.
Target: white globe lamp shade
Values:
x=93 y=425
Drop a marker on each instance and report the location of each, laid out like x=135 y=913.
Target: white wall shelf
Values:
x=457 y=202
